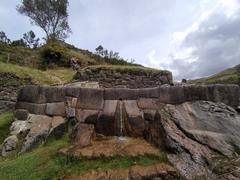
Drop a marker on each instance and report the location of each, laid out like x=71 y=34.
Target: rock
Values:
x=88 y=116
x=9 y=145
x=32 y=108
x=72 y=91
x=187 y=155
x=56 y=109
x=83 y=134
x=91 y=99
x=147 y=103
x=19 y=127
x=21 y=114
x=39 y=131
x=70 y=112
x=215 y=125
x=238 y=109
x=106 y=123
x=153 y=171
x=149 y=92
x=134 y=122
x=58 y=127
x=120 y=94
x=171 y=94
x=31 y=94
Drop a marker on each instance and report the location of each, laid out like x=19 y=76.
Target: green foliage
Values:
x=5 y=122
x=46 y=163
x=53 y=54
x=229 y=76
x=51 y=16
x=49 y=77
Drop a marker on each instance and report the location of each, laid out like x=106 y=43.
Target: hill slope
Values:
x=228 y=76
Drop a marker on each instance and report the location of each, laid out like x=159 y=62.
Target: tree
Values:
x=19 y=42
x=3 y=38
x=29 y=39
x=99 y=50
x=50 y=15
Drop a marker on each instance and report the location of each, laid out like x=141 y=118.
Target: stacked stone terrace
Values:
x=100 y=106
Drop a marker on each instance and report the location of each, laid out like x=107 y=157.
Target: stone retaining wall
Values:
x=139 y=79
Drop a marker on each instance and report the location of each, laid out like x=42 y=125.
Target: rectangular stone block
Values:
x=55 y=94
x=31 y=94
x=149 y=93
x=121 y=94
x=172 y=95
x=87 y=115
x=32 y=108
x=91 y=99
x=56 y=109
x=72 y=91
x=148 y=103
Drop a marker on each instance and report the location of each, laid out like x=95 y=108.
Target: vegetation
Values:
x=5 y=122
x=51 y=16
x=46 y=163
x=229 y=76
x=123 y=69
x=48 y=77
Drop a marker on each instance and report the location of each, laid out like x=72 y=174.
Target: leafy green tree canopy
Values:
x=49 y=15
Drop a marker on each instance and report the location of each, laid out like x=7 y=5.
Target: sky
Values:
x=191 y=38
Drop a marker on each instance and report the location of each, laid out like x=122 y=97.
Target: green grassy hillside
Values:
x=229 y=76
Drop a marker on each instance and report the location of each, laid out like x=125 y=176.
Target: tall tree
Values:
x=50 y=15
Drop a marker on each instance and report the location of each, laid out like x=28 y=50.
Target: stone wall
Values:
x=133 y=80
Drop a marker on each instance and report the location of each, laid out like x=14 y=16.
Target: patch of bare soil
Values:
x=114 y=146
x=157 y=171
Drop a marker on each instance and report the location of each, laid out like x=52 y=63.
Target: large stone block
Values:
x=73 y=91
x=227 y=94
x=83 y=134
x=149 y=92
x=106 y=123
x=88 y=116
x=195 y=92
x=147 y=103
x=32 y=94
x=21 y=114
x=134 y=122
x=90 y=99
x=56 y=109
x=54 y=94
x=121 y=94
x=32 y=108
x=172 y=94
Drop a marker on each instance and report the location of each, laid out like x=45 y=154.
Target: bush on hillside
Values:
x=53 y=55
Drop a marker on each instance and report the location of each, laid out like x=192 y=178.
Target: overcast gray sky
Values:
x=191 y=38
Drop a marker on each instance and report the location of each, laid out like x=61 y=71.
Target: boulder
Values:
x=19 y=127
x=32 y=107
x=215 y=125
x=39 y=131
x=58 y=127
x=31 y=94
x=106 y=123
x=83 y=134
x=21 y=114
x=134 y=122
x=91 y=99
x=9 y=145
x=56 y=109
x=72 y=91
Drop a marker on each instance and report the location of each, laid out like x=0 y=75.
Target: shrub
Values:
x=53 y=54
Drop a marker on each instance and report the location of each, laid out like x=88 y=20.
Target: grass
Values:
x=124 y=69
x=49 y=77
x=46 y=163
x=229 y=76
x=5 y=122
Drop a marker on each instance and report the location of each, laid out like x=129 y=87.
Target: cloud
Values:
x=209 y=45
